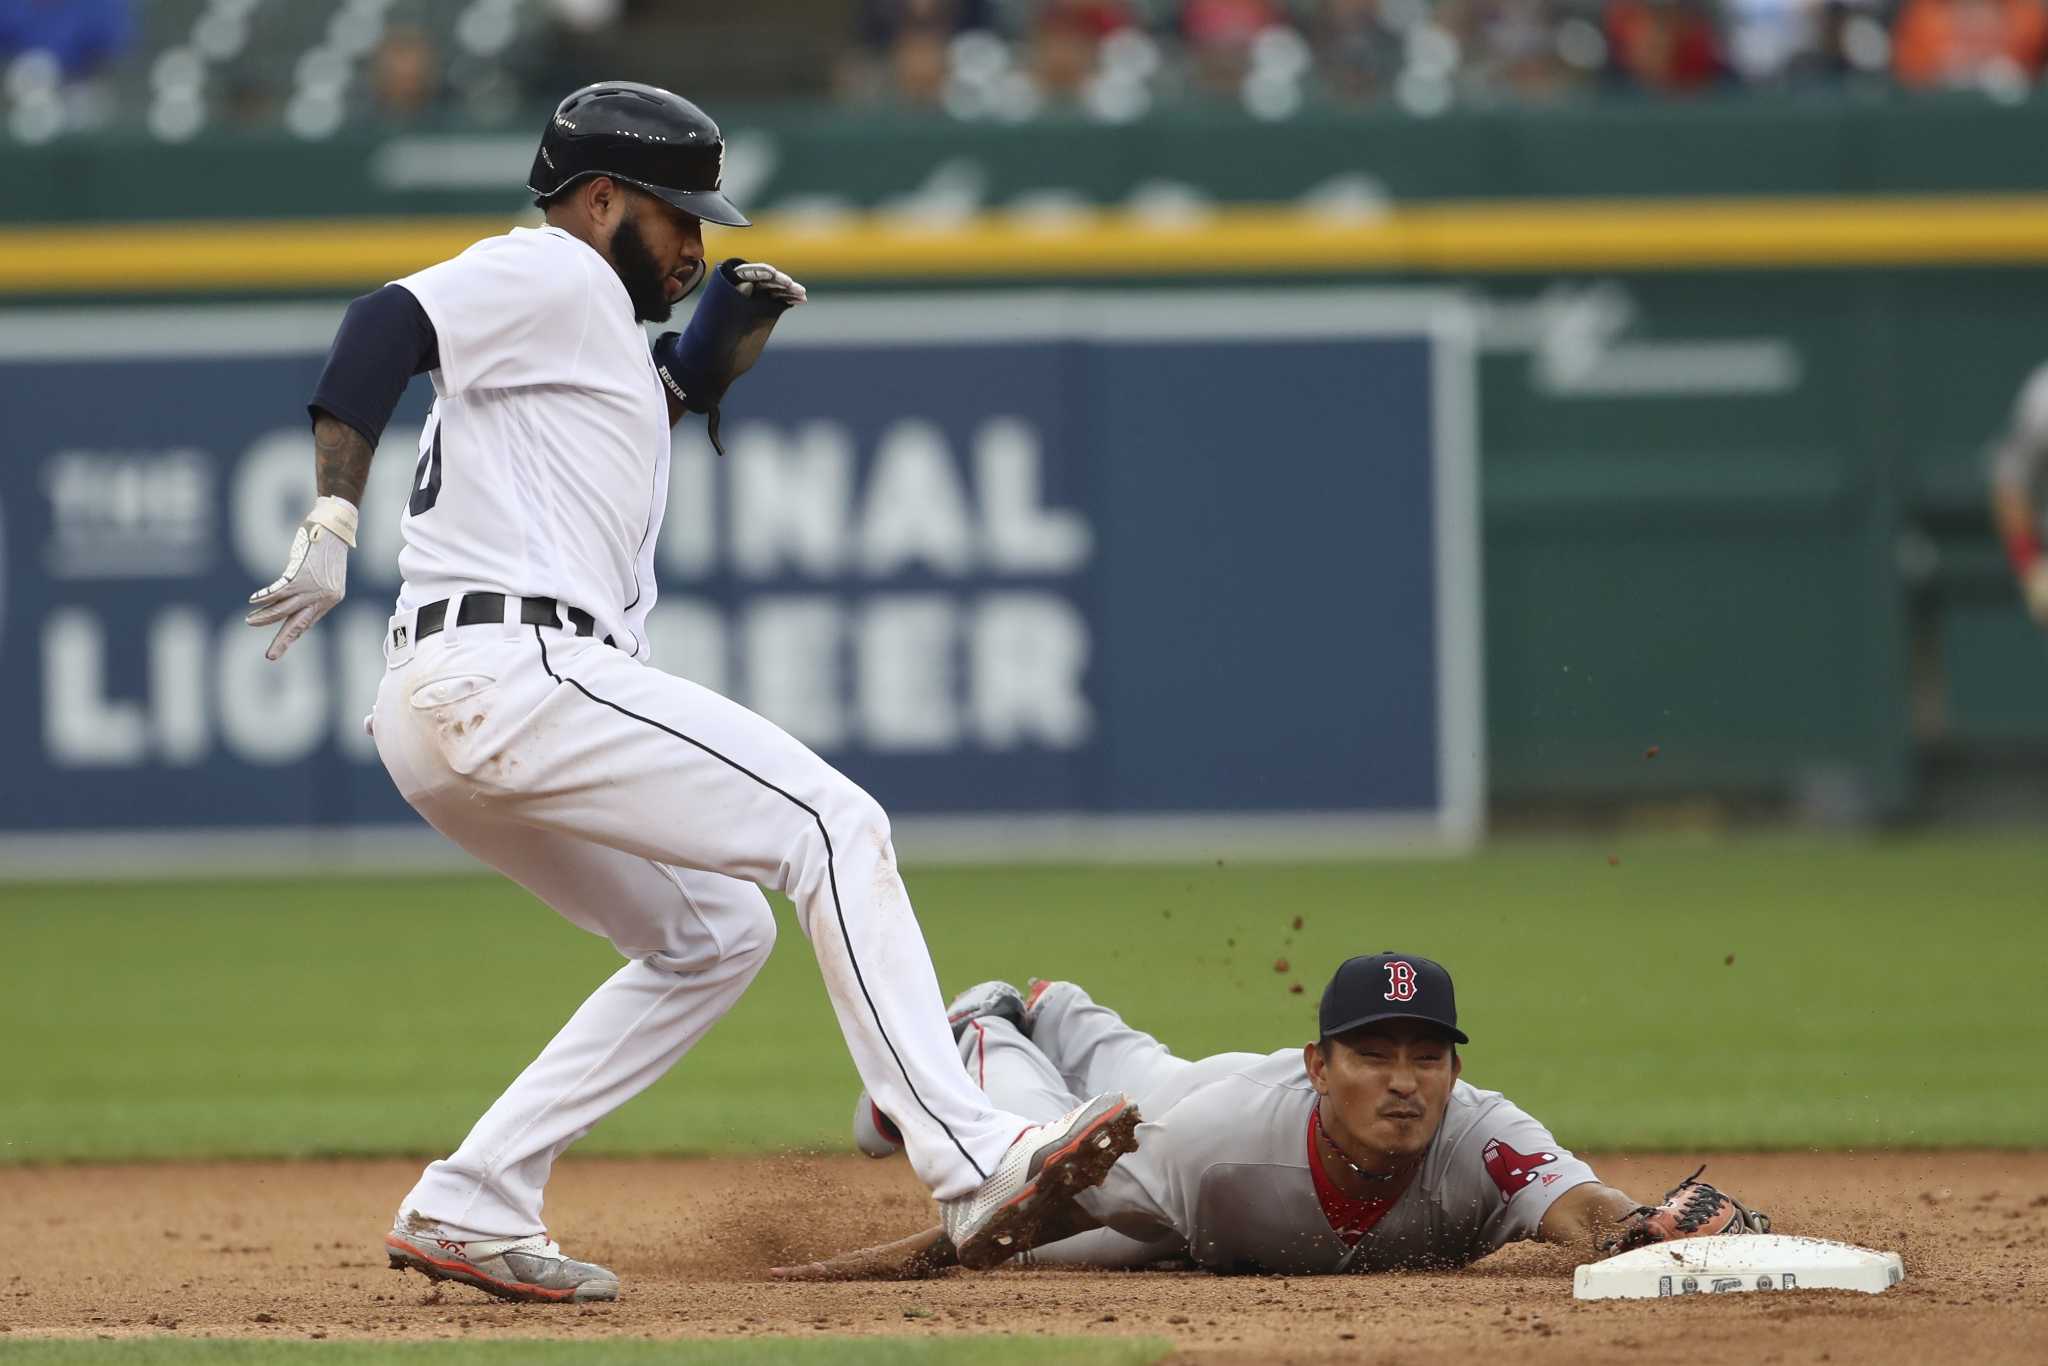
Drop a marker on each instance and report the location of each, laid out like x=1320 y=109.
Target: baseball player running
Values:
x=2019 y=492
x=1361 y=1151
x=519 y=715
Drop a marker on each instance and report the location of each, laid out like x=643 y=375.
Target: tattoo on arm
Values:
x=341 y=459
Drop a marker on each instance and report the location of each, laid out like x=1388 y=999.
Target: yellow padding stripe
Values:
x=1449 y=238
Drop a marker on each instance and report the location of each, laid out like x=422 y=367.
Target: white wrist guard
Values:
x=338 y=515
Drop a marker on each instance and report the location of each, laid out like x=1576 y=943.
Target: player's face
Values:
x=1387 y=1087
x=657 y=250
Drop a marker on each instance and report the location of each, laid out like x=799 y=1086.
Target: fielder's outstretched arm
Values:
x=1587 y=1217
x=918 y=1256
x=907 y=1259
x=1591 y=1217
x=1603 y=1220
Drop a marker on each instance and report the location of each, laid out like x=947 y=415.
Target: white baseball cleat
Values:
x=1042 y=1171
x=874 y=1133
x=529 y=1268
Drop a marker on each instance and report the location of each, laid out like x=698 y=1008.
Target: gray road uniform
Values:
x=1222 y=1174
x=2020 y=458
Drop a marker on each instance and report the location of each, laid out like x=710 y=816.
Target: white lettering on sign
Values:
x=916 y=671
x=929 y=671
x=689 y=640
x=904 y=671
x=1582 y=343
x=915 y=512
x=177 y=687
x=789 y=499
x=270 y=713
x=82 y=726
x=129 y=515
x=1024 y=536
x=898 y=673
x=791 y=647
x=1028 y=652
x=926 y=668
x=206 y=686
x=273 y=488
x=796 y=502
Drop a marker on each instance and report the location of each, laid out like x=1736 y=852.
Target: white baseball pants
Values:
x=645 y=808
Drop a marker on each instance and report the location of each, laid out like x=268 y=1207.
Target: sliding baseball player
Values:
x=1361 y=1151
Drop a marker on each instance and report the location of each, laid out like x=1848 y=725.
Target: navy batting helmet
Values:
x=642 y=135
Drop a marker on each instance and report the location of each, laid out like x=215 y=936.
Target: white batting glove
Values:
x=2035 y=586
x=758 y=277
x=315 y=575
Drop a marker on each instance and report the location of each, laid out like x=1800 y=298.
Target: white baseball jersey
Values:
x=640 y=806
x=543 y=467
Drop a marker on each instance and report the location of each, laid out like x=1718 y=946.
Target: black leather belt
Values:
x=488 y=609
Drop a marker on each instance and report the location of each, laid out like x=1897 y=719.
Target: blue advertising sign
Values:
x=1058 y=568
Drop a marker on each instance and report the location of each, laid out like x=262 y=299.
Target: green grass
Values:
x=1880 y=994
x=892 y=1351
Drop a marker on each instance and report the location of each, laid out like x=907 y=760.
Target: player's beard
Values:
x=645 y=281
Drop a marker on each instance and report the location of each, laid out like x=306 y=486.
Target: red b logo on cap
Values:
x=1400 y=981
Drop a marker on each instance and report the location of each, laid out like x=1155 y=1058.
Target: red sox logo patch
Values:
x=1400 y=981
x=1510 y=1170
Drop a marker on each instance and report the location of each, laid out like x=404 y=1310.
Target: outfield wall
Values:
x=1739 y=362
x=1014 y=561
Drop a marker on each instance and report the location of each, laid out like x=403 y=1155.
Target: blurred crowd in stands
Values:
x=176 y=66
x=1118 y=58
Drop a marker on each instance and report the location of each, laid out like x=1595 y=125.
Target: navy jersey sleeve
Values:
x=384 y=340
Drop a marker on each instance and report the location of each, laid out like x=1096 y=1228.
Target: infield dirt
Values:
x=292 y=1250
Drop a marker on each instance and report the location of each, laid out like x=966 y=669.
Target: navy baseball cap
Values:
x=1389 y=986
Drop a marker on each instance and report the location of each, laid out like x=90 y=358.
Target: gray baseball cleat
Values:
x=1034 y=996
x=984 y=999
x=1042 y=1171
x=874 y=1133
x=529 y=1268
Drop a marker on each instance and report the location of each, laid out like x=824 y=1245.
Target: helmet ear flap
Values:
x=691 y=286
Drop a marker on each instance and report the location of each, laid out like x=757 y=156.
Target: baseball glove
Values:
x=1692 y=1209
